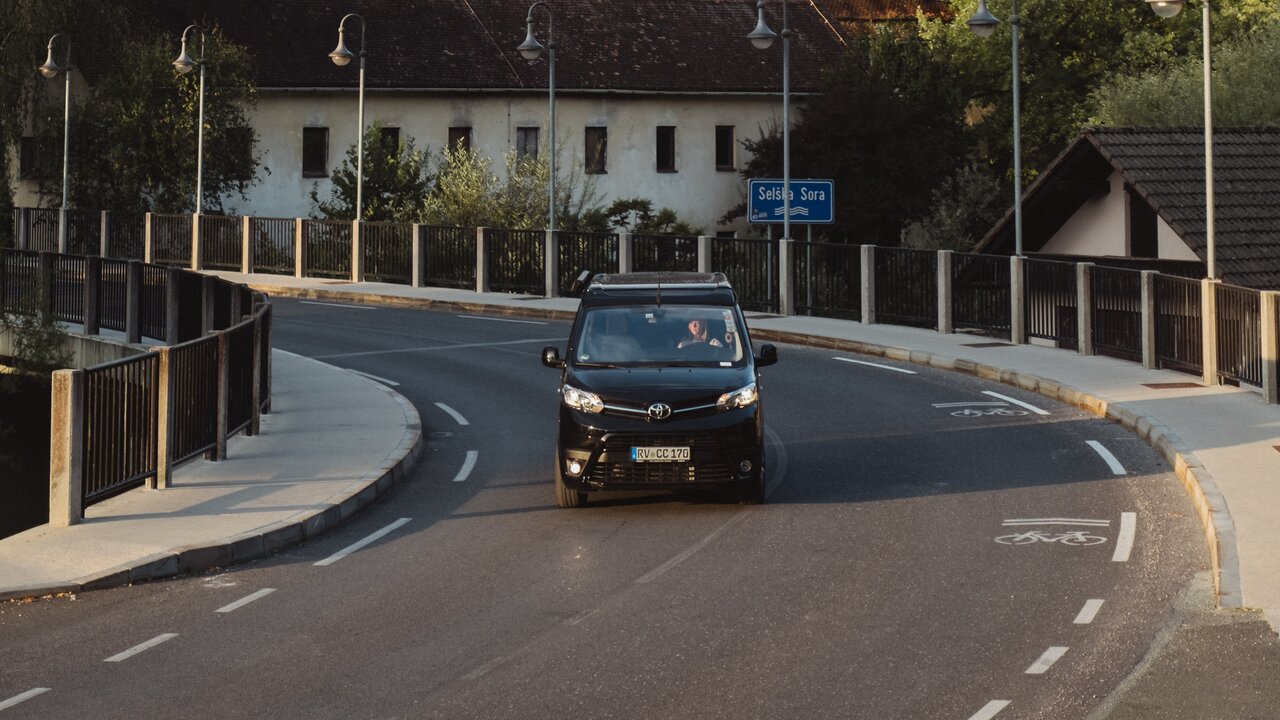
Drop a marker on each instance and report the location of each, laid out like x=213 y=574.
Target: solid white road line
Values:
x=1046 y=661
x=375 y=378
x=1057 y=521
x=341 y=305
x=6 y=704
x=431 y=348
x=1124 y=543
x=467 y=466
x=971 y=404
x=245 y=600
x=352 y=548
x=166 y=637
x=1088 y=612
x=684 y=555
x=876 y=365
x=990 y=710
x=1112 y=462
x=453 y=413
x=506 y=320
x=1017 y=402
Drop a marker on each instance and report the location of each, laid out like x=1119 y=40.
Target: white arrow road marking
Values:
x=6 y=704
x=121 y=657
x=1088 y=612
x=1105 y=454
x=467 y=466
x=245 y=600
x=352 y=548
x=876 y=365
x=1124 y=543
x=1017 y=402
x=990 y=710
x=453 y=413
x=1046 y=661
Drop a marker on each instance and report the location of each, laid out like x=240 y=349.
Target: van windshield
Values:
x=659 y=335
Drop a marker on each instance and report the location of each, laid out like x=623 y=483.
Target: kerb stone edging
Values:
x=269 y=539
x=1211 y=507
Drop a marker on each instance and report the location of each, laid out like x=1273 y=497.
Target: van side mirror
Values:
x=768 y=355
x=551 y=358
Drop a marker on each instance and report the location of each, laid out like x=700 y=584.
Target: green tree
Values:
x=636 y=215
x=396 y=178
x=133 y=137
x=1173 y=95
x=962 y=209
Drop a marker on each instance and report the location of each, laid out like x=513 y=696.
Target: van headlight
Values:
x=740 y=398
x=581 y=399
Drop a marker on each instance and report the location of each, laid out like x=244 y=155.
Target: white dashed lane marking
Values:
x=1128 y=531
x=16 y=699
x=1107 y=457
x=467 y=466
x=876 y=365
x=121 y=657
x=1017 y=402
x=990 y=710
x=245 y=600
x=354 y=547
x=1088 y=612
x=1046 y=661
x=457 y=417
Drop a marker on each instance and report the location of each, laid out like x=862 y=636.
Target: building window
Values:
x=597 y=150
x=390 y=135
x=666 y=148
x=526 y=143
x=724 y=147
x=1143 y=235
x=315 y=152
x=27 y=158
x=459 y=138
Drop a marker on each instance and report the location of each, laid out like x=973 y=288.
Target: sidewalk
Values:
x=320 y=457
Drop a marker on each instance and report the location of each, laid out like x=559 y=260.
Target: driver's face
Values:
x=695 y=327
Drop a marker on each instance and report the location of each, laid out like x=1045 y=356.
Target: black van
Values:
x=659 y=389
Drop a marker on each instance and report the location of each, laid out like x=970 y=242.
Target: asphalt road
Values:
x=930 y=549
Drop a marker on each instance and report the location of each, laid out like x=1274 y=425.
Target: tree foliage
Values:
x=396 y=177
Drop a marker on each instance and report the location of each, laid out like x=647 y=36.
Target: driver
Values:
x=698 y=334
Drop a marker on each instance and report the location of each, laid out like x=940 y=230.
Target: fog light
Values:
x=575 y=467
x=745 y=466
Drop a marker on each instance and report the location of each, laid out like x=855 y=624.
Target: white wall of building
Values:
x=1101 y=227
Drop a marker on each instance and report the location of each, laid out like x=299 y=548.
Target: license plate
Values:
x=660 y=454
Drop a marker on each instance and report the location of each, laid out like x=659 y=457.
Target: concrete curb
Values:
x=264 y=541
x=410 y=302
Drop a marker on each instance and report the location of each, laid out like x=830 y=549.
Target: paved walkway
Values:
x=318 y=458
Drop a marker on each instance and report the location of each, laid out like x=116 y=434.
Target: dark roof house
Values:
x=1162 y=172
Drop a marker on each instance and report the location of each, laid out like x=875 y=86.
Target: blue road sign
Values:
x=812 y=201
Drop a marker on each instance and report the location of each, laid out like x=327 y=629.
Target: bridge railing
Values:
x=1124 y=309
x=127 y=422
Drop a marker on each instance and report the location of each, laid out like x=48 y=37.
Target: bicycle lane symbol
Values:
x=1080 y=536
x=981 y=409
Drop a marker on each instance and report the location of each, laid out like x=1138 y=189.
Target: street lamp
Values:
x=341 y=57
x=983 y=24
x=1167 y=9
x=50 y=69
x=531 y=50
x=762 y=38
x=184 y=64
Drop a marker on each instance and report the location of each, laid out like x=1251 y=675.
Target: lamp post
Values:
x=983 y=24
x=184 y=64
x=341 y=57
x=1167 y=9
x=762 y=38
x=531 y=49
x=50 y=69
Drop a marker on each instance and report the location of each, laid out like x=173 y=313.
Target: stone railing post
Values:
x=247 y=260
x=23 y=239
x=946 y=324
x=64 y=231
x=1270 y=346
x=418 y=273
x=45 y=281
x=66 y=448
x=1084 y=308
x=704 y=253
x=197 y=240
x=1149 y=319
x=626 y=252
x=92 y=295
x=357 y=252
x=104 y=234
x=299 y=248
x=867 y=270
x=148 y=237
x=1209 y=330
x=133 y=303
x=551 y=264
x=482 y=260
x=164 y=421
x=1017 y=300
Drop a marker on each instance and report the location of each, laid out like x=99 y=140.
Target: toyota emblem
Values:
x=659 y=411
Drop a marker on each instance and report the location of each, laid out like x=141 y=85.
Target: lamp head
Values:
x=982 y=23
x=763 y=36
x=530 y=49
x=50 y=68
x=1165 y=8
x=184 y=64
x=341 y=56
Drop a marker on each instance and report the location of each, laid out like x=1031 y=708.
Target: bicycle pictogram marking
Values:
x=976 y=413
x=1070 y=537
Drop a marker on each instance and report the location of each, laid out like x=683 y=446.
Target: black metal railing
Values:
x=119 y=426
x=388 y=252
x=84 y=234
x=449 y=254
x=273 y=245
x=171 y=240
x=240 y=362
x=751 y=267
x=1051 y=302
x=193 y=377
x=907 y=287
x=221 y=242
x=597 y=252
x=664 y=253
x=126 y=235
x=1239 y=313
x=1117 y=311
x=828 y=279
x=328 y=248
x=515 y=261
x=980 y=293
x=42 y=229
x=155 y=300
x=1179 y=328
x=69 y=275
x=113 y=294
